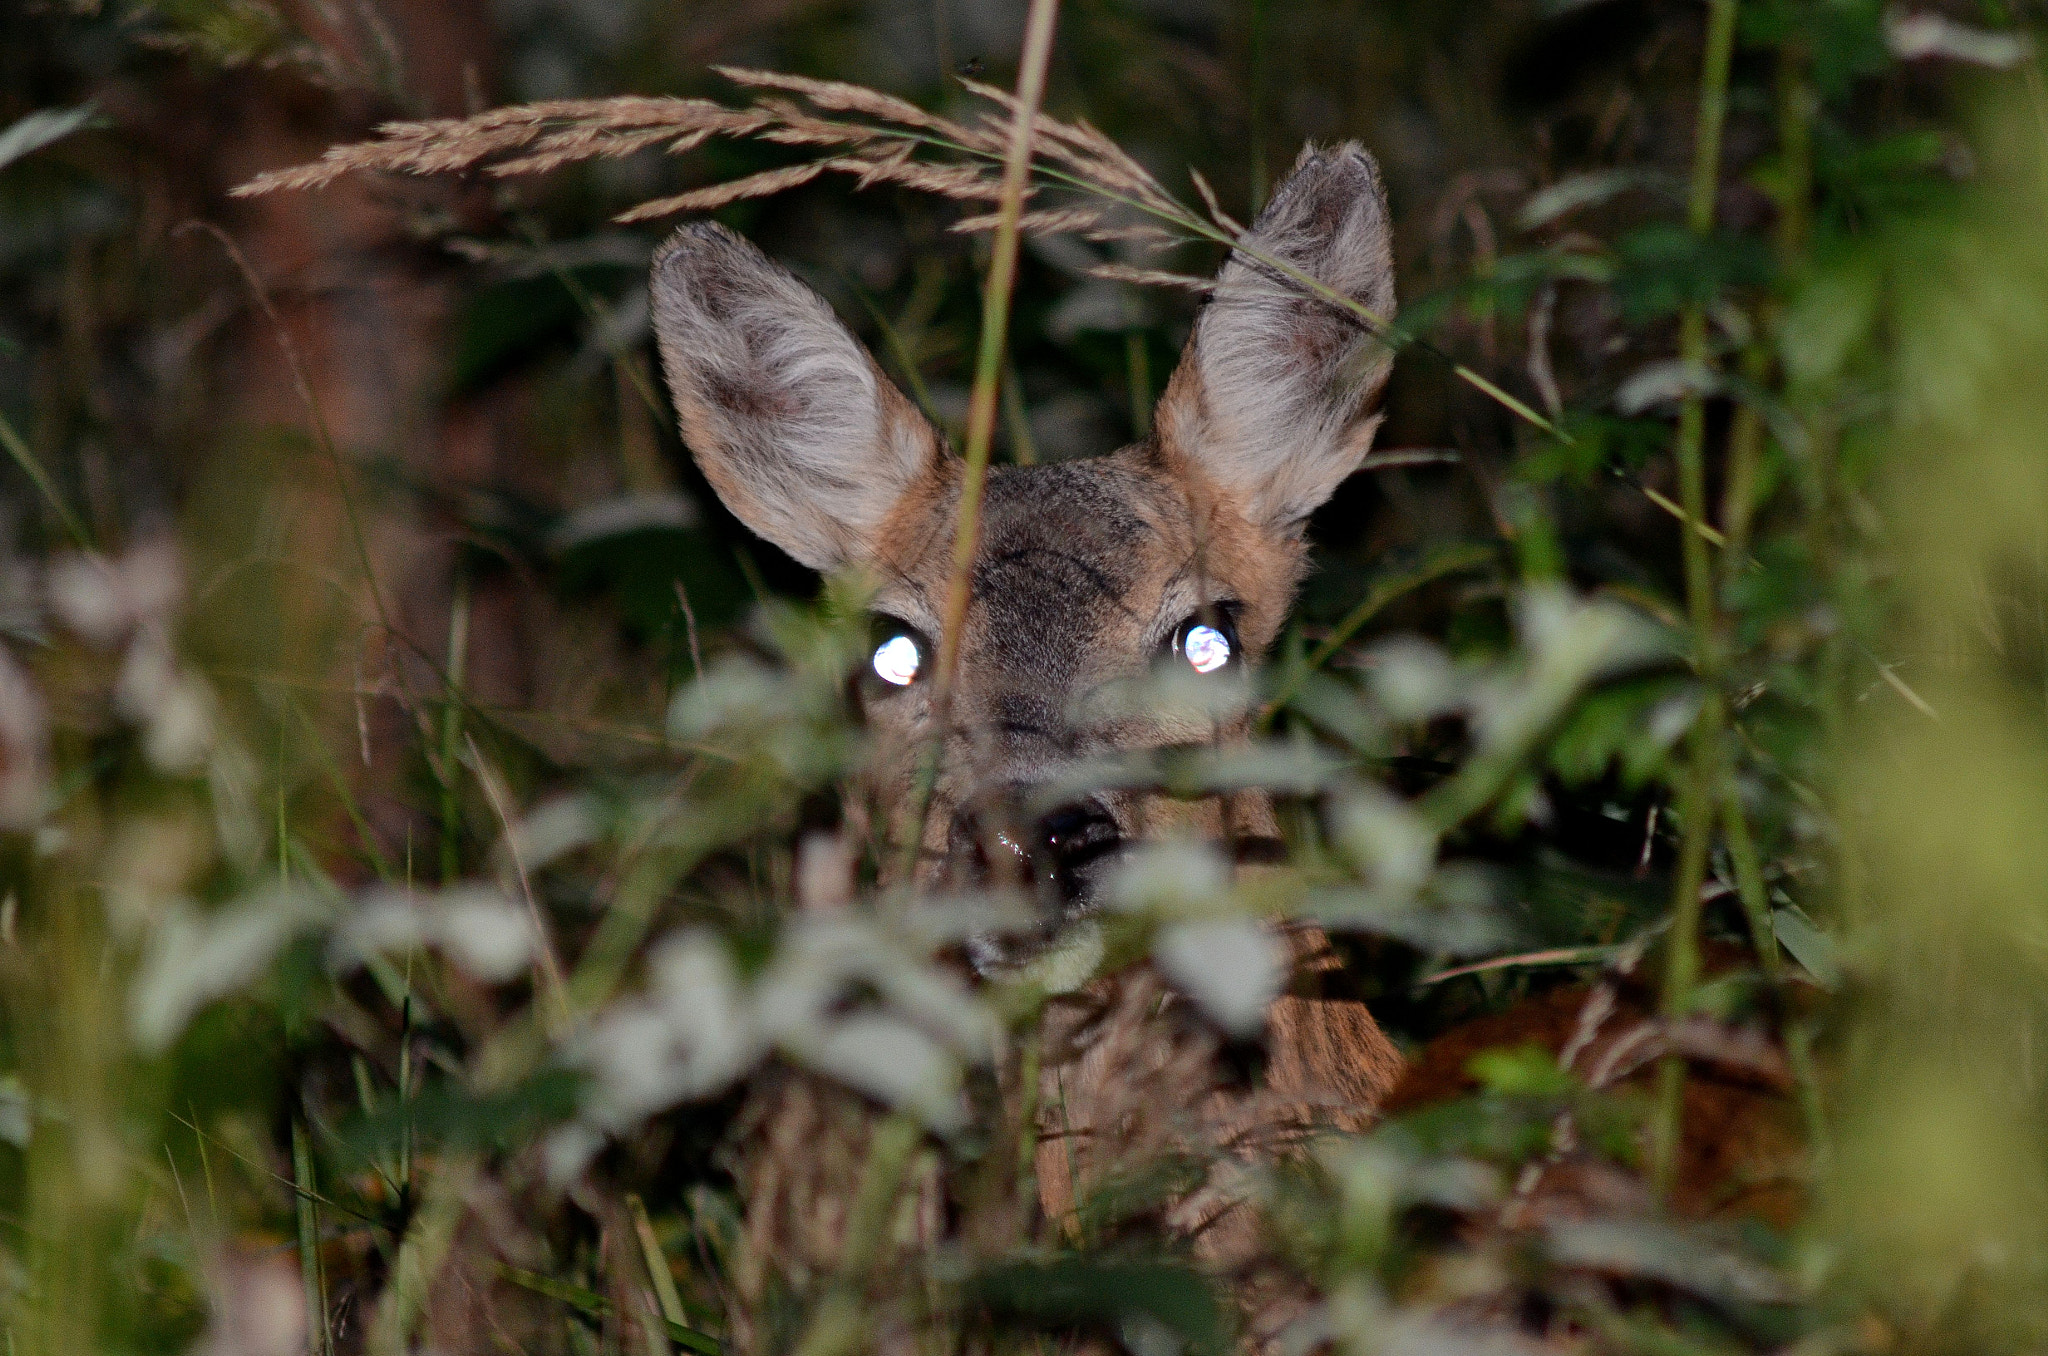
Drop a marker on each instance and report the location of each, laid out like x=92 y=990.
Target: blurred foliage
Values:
x=410 y=773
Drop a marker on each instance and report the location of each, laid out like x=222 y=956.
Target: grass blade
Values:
x=33 y=469
x=319 y=1337
x=596 y=1307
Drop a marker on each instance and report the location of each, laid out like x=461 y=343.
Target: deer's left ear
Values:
x=1273 y=400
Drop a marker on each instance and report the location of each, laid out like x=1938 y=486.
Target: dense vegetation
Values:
x=421 y=833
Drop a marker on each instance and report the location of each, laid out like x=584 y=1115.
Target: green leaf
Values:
x=42 y=128
x=595 y=1306
x=1521 y=1071
x=1666 y=267
x=444 y=1114
x=1810 y=946
x=1078 y=1289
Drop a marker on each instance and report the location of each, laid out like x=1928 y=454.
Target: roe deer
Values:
x=1183 y=549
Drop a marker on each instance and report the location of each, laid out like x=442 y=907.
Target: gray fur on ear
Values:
x=798 y=430
x=1273 y=398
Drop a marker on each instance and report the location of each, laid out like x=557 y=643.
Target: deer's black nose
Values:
x=997 y=841
x=1073 y=838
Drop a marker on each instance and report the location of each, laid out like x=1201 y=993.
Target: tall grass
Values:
x=383 y=974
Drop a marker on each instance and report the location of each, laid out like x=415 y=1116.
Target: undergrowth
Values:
x=423 y=811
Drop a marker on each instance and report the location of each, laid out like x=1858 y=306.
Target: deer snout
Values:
x=1055 y=854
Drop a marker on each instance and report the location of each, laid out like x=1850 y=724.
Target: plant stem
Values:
x=1382 y=593
x=1749 y=878
x=1700 y=796
x=319 y=1339
x=657 y=1263
x=25 y=458
x=1260 y=181
x=1023 y=450
x=1682 y=959
x=451 y=728
x=981 y=405
x=995 y=328
x=838 y=1323
x=1138 y=376
x=1746 y=439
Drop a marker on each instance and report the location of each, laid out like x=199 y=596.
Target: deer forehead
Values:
x=1083 y=567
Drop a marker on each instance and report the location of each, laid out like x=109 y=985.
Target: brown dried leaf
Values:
x=581 y=143
x=1216 y=212
x=719 y=195
x=965 y=183
x=841 y=97
x=448 y=145
x=1054 y=221
x=1150 y=277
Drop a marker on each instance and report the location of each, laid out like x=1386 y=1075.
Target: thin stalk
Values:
x=1023 y=449
x=321 y=433
x=25 y=458
x=981 y=405
x=838 y=1324
x=1030 y=1069
x=405 y=1087
x=1745 y=457
x=1138 y=369
x=319 y=1338
x=1746 y=438
x=1701 y=798
x=1260 y=180
x=1692 y=500
x=1749 y=879
x=420 y=1255
x=545 y=962
x=1382 y=594
x=595 y=1306
x=1198 y=228
x=1177 y=215
x=657 y=1264
x=451 y=728
x=899 y=349
x=995 y=327
x=1682 y=959
x=344 y=793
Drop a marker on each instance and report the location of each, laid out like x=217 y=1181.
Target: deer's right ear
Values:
x=798 y=430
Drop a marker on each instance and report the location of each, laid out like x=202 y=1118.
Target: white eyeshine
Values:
x=1206 y=648
x=897 y=661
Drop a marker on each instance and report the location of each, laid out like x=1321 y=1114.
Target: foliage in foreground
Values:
x=284 y=1071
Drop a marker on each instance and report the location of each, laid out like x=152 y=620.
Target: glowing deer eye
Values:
x=1206 y=646
x=898 y=660
x=1207 y=649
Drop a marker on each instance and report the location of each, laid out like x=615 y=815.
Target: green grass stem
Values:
x=451 y=729
x=1700 y=795
x=25 y=458
x=1039 y=24
x=319 y=1336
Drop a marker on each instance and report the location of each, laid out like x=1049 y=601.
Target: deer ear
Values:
x=798 y=430
x=1273 y=398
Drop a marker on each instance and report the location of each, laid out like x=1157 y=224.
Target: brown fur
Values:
x=1083 y=571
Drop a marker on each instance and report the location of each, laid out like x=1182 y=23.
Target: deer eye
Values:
x=1206 y=642
x=900 y=656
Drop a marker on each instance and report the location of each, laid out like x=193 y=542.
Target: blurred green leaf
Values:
x=42 y=128
x=595 y=1306
x=1811 y=947
x=1523 y=1071
x=1665 y=268
x=1093 y=1290
x=514 y=321
x=445 y=1114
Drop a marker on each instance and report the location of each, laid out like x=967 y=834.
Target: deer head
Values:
x=1183 y=550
